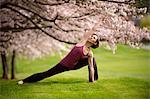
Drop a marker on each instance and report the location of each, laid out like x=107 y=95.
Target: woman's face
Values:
x=93 y=39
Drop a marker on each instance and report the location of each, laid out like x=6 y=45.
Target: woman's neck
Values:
x=87 y=44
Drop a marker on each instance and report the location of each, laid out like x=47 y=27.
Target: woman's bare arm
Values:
x=90 y=61
x=86 y=35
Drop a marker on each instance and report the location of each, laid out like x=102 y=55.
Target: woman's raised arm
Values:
x=86 y=35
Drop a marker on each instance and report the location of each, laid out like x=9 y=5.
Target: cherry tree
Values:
x=43 y=26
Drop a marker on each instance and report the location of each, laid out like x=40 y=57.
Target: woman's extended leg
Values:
x=39 y=76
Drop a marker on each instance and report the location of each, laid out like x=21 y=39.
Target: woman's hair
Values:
x=97 y=43
x=101 y=39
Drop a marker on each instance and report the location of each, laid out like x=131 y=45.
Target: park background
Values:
x=35 y=35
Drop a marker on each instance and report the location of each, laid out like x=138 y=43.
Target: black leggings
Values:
x=59 y=69
x=39 y=76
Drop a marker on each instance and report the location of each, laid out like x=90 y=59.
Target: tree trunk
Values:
x=4 y=65
x=13 y=65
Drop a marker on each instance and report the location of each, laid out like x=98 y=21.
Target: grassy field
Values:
x=124 y=75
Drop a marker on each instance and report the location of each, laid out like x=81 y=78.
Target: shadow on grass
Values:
x=130 y=82
x=60 y=81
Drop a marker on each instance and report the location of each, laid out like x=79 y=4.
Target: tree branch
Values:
x=13 y=29
x=32 y=12
x=119 y=2
x=3 y=3
x=53 y=4
x=2 y=40
x=63 y=29
x=53 y=20
x=39 y=27
x=93 y=12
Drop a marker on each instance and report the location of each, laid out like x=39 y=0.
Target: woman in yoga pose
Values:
x=80 y=56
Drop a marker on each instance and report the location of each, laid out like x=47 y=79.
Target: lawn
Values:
x=125 y=75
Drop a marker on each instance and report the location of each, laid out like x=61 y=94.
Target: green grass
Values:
x=124 y=75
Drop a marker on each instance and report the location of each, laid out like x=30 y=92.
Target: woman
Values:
x=80 y=56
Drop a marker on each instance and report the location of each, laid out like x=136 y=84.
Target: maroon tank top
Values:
x=73 y=57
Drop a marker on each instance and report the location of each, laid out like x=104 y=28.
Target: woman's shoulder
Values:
x=79 y=45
